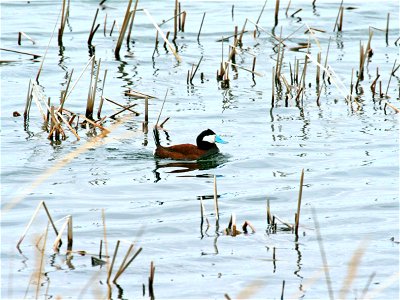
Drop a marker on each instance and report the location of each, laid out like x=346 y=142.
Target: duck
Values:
x=205 y=147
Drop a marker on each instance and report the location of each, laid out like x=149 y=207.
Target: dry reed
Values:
x=20 y=34
x=123 y=30
x=93 y=29
x=299 y=203
x=216 y=200
x=133 y=13
x=201 y=26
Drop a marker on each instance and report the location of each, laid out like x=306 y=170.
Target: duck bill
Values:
x=219 y=140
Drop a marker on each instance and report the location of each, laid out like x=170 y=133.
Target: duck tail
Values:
x=156 y=136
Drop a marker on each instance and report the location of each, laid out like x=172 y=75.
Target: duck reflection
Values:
x=181 y=167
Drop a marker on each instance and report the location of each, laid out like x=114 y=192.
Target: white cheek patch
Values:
x=209 y=138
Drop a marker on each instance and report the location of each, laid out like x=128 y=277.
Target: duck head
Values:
x=207 y=139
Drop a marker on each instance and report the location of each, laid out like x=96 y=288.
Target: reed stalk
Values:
x=318 y=69
x=262 y=10
x=122 y=106
x=38 y=285
x=340 y=19
x=57 y=241
x=112 y=27
x=68 y=125
x=326 y=57
x=391 y=74
x=146 y=110
x=273 y=88
x=123 y=262
x=248 y=224
x=216 y=199
x=101 y=96
x=105 y=25
x=337 y=17
x=93 y=29
x=323 y=254
x=41 y=204
x=175 y=20
x=132 y=17
x=195 y=70
x=352 y=269
x=283 y=290
x=287 y=8
x=201 y=26
x=123 y=30
x=179 y=17
x=183 y=21
x=124 y=267
x=21 y=34
x=162 y=107
x=47 y=48
x=122 y=110
x=113 y=261
x=162 y=35
x=299 y=203
x=64 y=16
x=151 y=280
x=65 y=92
x=276 y=12
x=387 y=29
x=28 y=101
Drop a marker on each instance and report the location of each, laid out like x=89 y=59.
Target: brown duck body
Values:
x=204 y=148
x=184 y=152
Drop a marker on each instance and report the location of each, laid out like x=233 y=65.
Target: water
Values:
x=350 y=158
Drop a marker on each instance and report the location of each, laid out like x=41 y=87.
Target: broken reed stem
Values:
x=283 y=289
x=146 y=110
x=28 y=101
x=162 y=35
x=299 y=203
x=287 y=8
x=113 y=261
x=57 y=241
x=112 y=27
x=216 y=199
x=262 y=10
x=390 y=78
x=323 y=254
x=318 y=69
x=123 y=30
x=69 y=126
x=387 y=29
x=273 y=88
x=151 y=279
x=93 y=29
x=65 y=92
x=41 y=203
x=127 y=264
x=79 y=77
x=41 y=262
x=124 y=107
x=276 y=12
x=337 y=17
x=195 y=70
x=132 y=17
x=340 y=19
x=101 y=96
x=201 y=26
x=183 y=21
x=326 y=59
x=20 y=34
x=105 y=25
x=123 y=262
x=175 y=20
x=64 y=15
x=103 y=218
x=162 y=106
x=47 y=48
